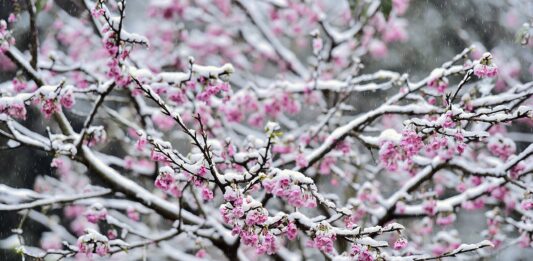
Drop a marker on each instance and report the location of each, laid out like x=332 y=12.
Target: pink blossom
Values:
x=481 y=70
x=51 y=241
x=400 y=6
x=289 y=104
x=485 y=67
x=158 y=156
x=272 y=108
x=67 y=99
x=97 y=12
x=207 y=193
x=178 y=97
x=461 y=187
x=377 y=49
x=96 y=213
x=256 y=120
x=301 y=161
x=141 y=143
x=112 y=234
x=323 y=242
x=174 y=190
x=73 y=211
x=292 y=231
x=411 y=143
x=50 y=107
x=56 y=163
x=441 y=84
x=12 y=18
x=317 y=44
x=133 y=214
x=430 y=207
x=233 y=114
x=163 y=122
x=201 y=253
x=15 y=109
x=501 y=147
x=447 y=219
x=395 y=31
x=164 y=180
x=517 y=170
x=325 y=165
x=102 y=249
x=18 y=85
x=255 y=218
x=400 y=207
x=249 y=238
x=527 y=204
x=389 y=156
x=401 y=243
x=282 y=149
x=268 y=245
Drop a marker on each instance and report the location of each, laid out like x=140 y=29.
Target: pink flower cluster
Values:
x=267 y=244
x=301 y=161
x=445 y=147
x=51 y=241
x=501 y=147
x=201 y=253
x=439 y=83
x=13 y=107
x=411 y=143
x=133 y=214
x=166 y=181
x=323 y=239
x=445 y=219
x=391 y=155
x=482 y=70
x=325 y=165
x=292 y=231
x=18 y=85
x=401 y=243
x=97 y=11
x=93 y=242
x=430 y=207
x=50 y=107
x=282 y=103
x=212 y=89
x=53 y=98
x=282 y=186
x=96 y=213
x=360 y=253
x=527 y=202
x=67 y=98
x=485 y=67
x=248 y=218
x=207 y=193
x=162 y=121
x=517 y=170
x=323 y=242
x=356 y=216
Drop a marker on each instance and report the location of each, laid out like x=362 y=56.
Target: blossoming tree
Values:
x=225 y=129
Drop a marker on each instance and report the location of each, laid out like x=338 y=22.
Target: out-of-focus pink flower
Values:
x=401 y=243
x=400 y=6
x=201 y=253
x=133 y=214
x=377 y=49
